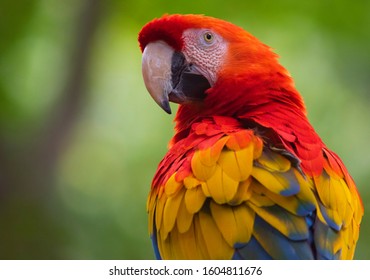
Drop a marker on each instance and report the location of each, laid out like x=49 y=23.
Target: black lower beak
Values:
x=188 y=85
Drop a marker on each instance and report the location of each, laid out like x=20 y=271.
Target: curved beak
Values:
x=169 y=77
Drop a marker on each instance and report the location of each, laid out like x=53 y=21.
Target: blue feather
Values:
x=324 y=239
x=279 y=246
x=153 y=237
x=251 y=251
x=294 y=186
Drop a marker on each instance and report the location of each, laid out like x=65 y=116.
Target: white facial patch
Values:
x=206 y=51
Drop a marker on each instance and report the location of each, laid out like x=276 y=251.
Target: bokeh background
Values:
x=80 y=138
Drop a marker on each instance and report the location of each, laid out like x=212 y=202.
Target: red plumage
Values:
x=252 y=103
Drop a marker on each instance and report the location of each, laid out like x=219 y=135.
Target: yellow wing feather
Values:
x=212 y=210
x=194 y=199
x=217 y=246
x=221 y=187
x=274 y=181
x=234 y=223
x=184 y=217
x=190 y=245
x=202 y=171
x=170 y=212
x=243 y=193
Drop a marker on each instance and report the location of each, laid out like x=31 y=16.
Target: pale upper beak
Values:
x=156 y=69
x=169 y=77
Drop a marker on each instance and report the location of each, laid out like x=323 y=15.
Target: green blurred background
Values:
x=80 y=138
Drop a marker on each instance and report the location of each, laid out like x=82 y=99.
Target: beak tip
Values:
x=165 y=105
x=156 y=70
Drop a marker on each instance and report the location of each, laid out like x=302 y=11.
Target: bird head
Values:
x=185 y=56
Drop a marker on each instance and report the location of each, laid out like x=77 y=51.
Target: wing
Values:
x=221 y=193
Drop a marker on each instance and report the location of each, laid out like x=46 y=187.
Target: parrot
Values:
x=245 y=175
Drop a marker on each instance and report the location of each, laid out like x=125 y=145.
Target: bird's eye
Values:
x=208 y=37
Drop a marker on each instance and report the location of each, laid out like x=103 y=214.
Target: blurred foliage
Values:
x=80 y=138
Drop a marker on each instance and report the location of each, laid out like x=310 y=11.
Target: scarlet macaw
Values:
x=246 y=175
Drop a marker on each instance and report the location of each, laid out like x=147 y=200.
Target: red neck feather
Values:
x=260 y=100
